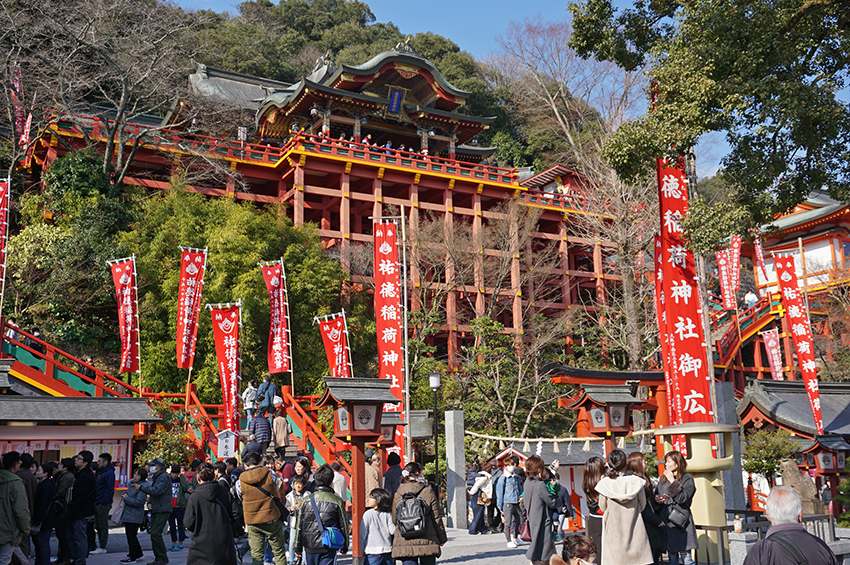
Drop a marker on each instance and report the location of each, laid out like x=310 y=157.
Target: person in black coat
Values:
x=44 y=518
x=676 y=489
x=81 y=506
x=208 y=518
x=651 y=514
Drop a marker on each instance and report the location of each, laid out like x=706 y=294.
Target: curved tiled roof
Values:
x=788 y=404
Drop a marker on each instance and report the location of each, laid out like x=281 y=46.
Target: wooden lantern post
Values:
x=358 y=409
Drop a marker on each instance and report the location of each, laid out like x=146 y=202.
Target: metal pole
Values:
x=802 y=265
x=408 y=440
x=5 y=241
x=436 y=451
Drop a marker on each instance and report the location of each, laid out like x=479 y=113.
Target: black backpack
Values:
x=411 y=515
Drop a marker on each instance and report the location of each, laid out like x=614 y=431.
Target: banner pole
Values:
x=138 y=328
x=408 y=439
x=288 y=328
x=5 y=247
x=347 y=344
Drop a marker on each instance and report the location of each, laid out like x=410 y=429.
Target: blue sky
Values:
x=474 y=25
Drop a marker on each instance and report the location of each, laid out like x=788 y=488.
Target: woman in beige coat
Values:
x=622 y=497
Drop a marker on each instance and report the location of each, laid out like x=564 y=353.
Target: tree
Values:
x=57 y=276
x=765 y=449
x=238 y=237
x=772 y=85
x=499 y=378
x=581 y=105
x=115 y=59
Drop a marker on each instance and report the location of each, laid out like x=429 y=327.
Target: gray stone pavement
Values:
x=461 y=548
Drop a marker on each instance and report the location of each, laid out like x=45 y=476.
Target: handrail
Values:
x=51 y=362
x=199 y=144
x=373 y=153
x=329 y=452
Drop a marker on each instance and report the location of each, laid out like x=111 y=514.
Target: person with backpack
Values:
x=377 y=528
x=265 y=398
x=420 y=531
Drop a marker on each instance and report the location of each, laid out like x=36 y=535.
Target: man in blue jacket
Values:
x=159 y=490
x=265 y=398
x=103 y=499
x=508 y=495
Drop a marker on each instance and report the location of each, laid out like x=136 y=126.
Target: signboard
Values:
x=226 y=444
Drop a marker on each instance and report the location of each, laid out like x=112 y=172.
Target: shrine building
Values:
x=349 y=143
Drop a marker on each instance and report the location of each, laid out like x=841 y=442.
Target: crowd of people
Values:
x=293 y=511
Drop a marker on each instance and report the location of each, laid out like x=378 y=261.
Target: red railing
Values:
x=103 y=383
x=310 y=432
x=358 y=151
x=170 y=140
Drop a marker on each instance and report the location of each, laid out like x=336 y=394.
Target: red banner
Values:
x=335 y=336
x=193 y=263
x=18 y=101
x=760 y=257
x=801 y=332
x=670 y=375
x=686 y=354
x=388 y=314
x=725 y=277
x=124 y=277
x=5 y=189
x=226 y=320
x=735 y=261
x=774 y=354
x=279 y=356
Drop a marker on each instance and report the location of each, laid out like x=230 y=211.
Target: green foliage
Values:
x=772 y=85
x=844 y=498
x=708 y=226
x=170 y=440
x=766 y=448
x=58 y=278
x=238 y=237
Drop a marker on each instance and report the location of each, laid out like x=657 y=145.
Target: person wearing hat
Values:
x=392 y=477
x=159 y=490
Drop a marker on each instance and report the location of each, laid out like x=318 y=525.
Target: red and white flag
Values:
x=17 y=95
x=801 y=332
x=124 y=277
x=5 y=197
x=760 y=256
x=735 y=261
x=388 y=313
x=193 y=264
x=690 y=385
x=774 y=354
x=335 y=336
x=226 y=319
x=724 y=275
x=279 y=353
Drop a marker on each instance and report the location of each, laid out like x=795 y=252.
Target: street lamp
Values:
x=434 y=379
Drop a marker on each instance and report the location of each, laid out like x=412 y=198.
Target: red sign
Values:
x=774 y=354
x=735 y=261
x=388 y=313
x=760 y=257
x=193 y=263
x=335 y=336
x=801 y=332
x=226 y=335
x=686 y=355
x=124 y=277
x=279 y=356
x=724 y=275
